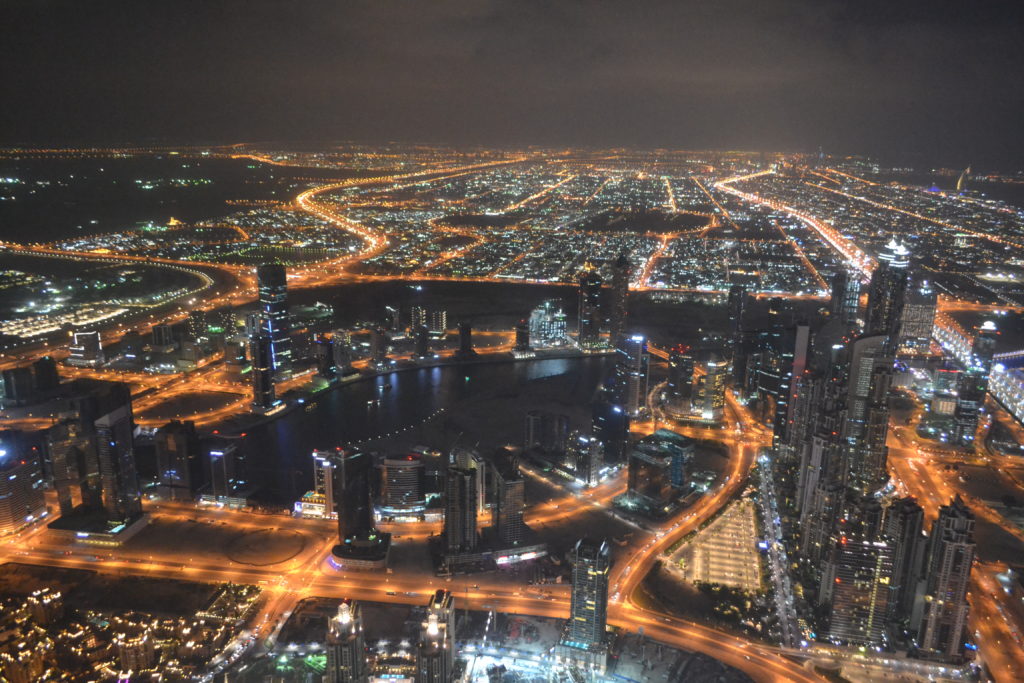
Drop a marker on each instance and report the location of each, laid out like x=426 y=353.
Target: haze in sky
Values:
x=935 y=81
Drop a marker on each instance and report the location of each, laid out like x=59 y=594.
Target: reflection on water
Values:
x=278 y=452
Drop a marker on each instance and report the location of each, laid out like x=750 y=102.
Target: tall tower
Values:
x=115 y=450
x=918 y=316
x=631 y=371
x=589 y=329
x=466 y=349
x=974 y=384
x=943 y=629
x=509 y=501
x=621 y=271
x=178 y=461
x=845 y=300
x=887 y=291
x=904 y=524
x=346 y=650
x=264 y=397
x=460 y=509
x=435 y=652
x=588 y=611
x=272 y=280
x=737 y=305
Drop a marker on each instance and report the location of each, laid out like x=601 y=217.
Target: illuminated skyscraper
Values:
x=548 y=325
x=522 y=337
x=21 y=489
x=115 y=450
x=509 y=501
x=943 y=631
x=711 y=388
x=403 y=483
x=621 y=269
x=680 y=377
x=86 y=350
x=918 y=316
x=346 y=649
x=887 y=291
x=178 y=461
x=845 y=301
x=273 y=296
x=589 y=326
x=435 y=652
x=588 y=610
x=264 y=397
x=460 y=510
x=631 y=373
x=974 y=385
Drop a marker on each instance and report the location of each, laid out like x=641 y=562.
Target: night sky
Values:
x=936 y=82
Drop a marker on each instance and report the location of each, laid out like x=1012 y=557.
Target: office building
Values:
x=71 y=447
x=361 y=546
x=460 y=509
x=586 y=455
x=973 y=385
x=346 y=647
x=178 y=461
x=679 y=386
x=19 y=386
x=21 y=489
x=522 y=344
x=341 y=347
x=323 y=351
x=650 y=479
x=379 y=347
x=46 y=375
x=917 y=319
x=887 y=291
x=546 y=431
x=737 y=306
x=588 y=610
x=115 y=451
x=226 y=472
x=323 y=479
x=631 y=374
x=435 y=651
x=402 y=484
x=272 y=282
x=611 y=427
x=548 y=326
x=264 y=396
x=709 y=398
x=466 y=349
x=943 y=633
x=197 y=325
x=904 y=525
x=844 y=304
x=588 y=330
x=86 y=350
x=421 y=341
x=621 y=270
x=509 y=500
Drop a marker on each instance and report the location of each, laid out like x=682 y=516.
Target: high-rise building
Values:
x=588 y=331
x=631 y=373
x=197 y=325
x=439 y=321
x=522 y=337
x=548 y=325
x=346 y=647
x=845 y=302
x=866 y=424
x=19 y=386
x=323 y=479
x=460 y=509
x=974 y=384
x=466 y=349
x=47 y=377
x=887 y=291
x=86 y=350
x=324 y=354
x=264 y=396
x=547 y=431
x=421 y=341
x=943 y=632
x=856 y=578
x=341 y=348
x=21 y=489
x=586 y=454
x=679 y=389
x=435 y=651
x=71 y=447
x=135 y=647
x=509 y=500
x=917 y=319
x=227 y=472
x=737 y=305
x=353 y=470
x=115 y=451
x=710 y=395
x=588 y=611
x=272 y=280
x=403 y=483
x=178 y=461
x=650 y=478
x=621 y=270
x=611 y=427
x=379 y=346
x=904 y=525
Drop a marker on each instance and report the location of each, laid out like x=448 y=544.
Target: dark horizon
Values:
x=924 y=83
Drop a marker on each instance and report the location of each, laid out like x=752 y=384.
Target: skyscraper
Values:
x=115 y=450
x=917 y=319
x=460 y=509
x=887 y=291
x=845 y=301
x=379 y=346
x=974 y=384
x=866 y=424
x=588 y=611
x=522 y=337
x=466 y=349
x=178 y=461
x=403 y=483
x=737 y=305
x=548 y=325
x=21 y=489
x=611 y=428
x=352 y=472
x=44 y=370
x=943 y=631
x=435 y=651
x=904 y=525
x=621 y=269
x=71 y=447
x=587 y=457
x=421 y=341
x=227 y=472
x=86 y=350
x=631 y=372
x=589 y=325
x=679 y=388
x=710 y=396
x=509 y=500
x=272 y=282
x=346 y=649
x=264 y=397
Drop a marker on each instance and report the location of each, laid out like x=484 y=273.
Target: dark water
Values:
x=1011 y=193
x=278 y=452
